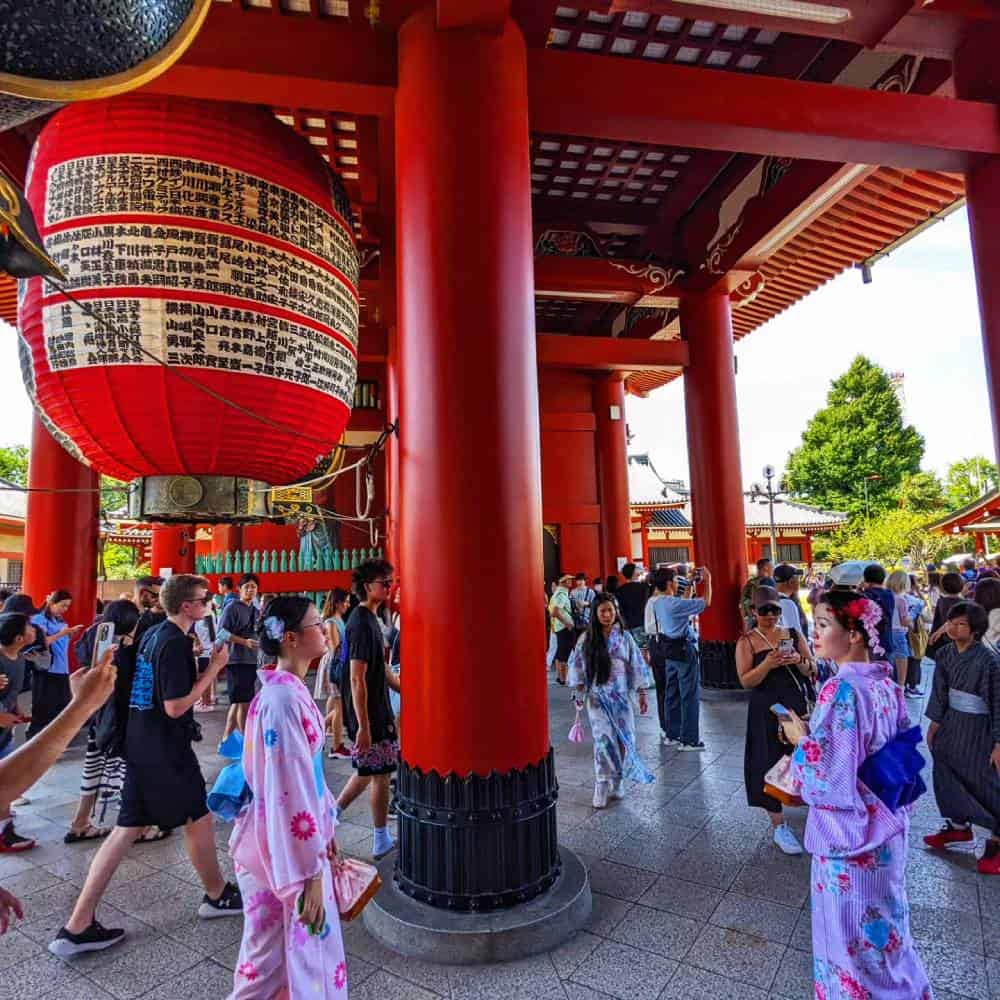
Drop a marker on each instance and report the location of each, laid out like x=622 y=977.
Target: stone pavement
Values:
x=691 y=900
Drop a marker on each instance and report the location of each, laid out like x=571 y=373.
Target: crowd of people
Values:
x=828 y=725
x=145 y=666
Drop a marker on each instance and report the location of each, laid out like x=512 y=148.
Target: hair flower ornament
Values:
x=275 y=628
x=869 y=614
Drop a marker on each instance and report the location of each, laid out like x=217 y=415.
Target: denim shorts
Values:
x=900 y=644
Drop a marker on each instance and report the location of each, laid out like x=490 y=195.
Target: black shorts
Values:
x=564 y=644
x=241 y=677
x=381 y=758
x=203 y=662
x=167 y=796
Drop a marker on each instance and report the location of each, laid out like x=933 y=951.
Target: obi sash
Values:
x=965 y=701
x=893 y=773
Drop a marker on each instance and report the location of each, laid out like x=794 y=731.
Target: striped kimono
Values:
x=862 y=948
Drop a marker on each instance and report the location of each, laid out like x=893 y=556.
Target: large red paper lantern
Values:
x=220 y=240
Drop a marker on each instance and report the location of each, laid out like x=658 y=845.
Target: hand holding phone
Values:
x=781 y=712
x=104 y=641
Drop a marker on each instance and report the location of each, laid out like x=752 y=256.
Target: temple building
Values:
x=663 y=531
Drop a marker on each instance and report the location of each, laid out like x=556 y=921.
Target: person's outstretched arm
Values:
x=28 y=763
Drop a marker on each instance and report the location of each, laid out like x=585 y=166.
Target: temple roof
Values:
x=981 y=514
x=13 y=501
x=646 y=487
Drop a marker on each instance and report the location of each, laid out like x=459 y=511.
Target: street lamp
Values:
x=770 y=495
x=869 y=479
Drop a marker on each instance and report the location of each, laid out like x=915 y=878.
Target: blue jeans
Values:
x=682 y=699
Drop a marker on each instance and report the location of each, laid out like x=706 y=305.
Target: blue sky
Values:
x=918 y=316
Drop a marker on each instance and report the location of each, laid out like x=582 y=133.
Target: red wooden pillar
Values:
x=392 y=492
x=62 y=528
x=612 y=466
x=977 y=77
x=173 y=548
x=470 y=483
x=713 y=436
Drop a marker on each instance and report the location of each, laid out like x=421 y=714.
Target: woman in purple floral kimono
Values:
x=862 y=948
x=606 y=668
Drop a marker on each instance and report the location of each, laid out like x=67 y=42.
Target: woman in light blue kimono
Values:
x=606 y=668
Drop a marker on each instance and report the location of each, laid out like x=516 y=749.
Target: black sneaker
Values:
x=229 y=904
x=692 y=746
x=12 y=842
x=94 y=938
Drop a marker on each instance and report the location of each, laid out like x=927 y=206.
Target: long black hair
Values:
x=123 y=614
x=595 y=644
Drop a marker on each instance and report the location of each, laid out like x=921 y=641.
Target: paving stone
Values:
x=528 y=978
x=16 y=947
x=30 y=881
x=619 y=880
x=568 y=957
x=665 y=933
x=690 y=983
x=384 y=986
x=794 y=978
x=37 y=977
x=783 y=881
x=739 y=956
x=606 y=913
x=757 y=917
x=625 y=972
x=952 y=968
x=686 y=899
x=205 y=981
x=134 y=973
x=936 y=924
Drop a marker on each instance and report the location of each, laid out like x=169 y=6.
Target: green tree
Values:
x=890 y=536
x=922 y=492
x=14 y=464
x=120 y=562
x=858 y=434
x=968 y=479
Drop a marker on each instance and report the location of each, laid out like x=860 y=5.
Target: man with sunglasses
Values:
x=164 y=785
x=368 y=715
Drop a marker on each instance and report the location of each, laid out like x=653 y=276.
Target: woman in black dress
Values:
x=775 y=665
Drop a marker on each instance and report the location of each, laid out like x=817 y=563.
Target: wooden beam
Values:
x=604 y=279
x=485 y=15
x=635 y=100
x=610 y=353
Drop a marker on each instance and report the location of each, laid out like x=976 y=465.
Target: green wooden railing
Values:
x=286 y=561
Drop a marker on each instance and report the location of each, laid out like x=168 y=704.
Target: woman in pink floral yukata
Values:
x=862 y=948
x=283 y=840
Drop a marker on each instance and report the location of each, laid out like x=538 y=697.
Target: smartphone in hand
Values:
x=781 y=712
x=105 y=638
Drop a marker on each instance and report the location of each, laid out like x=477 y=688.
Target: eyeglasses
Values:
x=199 y=600
x=151 y=593
x=769 y=609
x=388 y=582
x=311 y=625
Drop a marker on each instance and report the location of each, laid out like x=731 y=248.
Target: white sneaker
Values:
x=668 y=741
x=618 y=789
x=786 y=840
x=600 y=794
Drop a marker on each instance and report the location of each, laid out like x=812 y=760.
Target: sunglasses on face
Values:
x=769 y=609
x=200 y=600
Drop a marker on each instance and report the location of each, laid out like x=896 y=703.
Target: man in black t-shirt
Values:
x=632 y=597
x=368 y=714
x=164 y=785
x=238 y=625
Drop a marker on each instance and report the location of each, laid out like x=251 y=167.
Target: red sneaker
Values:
x=340 y=753
x=13 y=843
x=949 y=834
x=989 y=863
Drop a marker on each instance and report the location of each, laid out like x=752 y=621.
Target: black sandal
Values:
x=78 y=838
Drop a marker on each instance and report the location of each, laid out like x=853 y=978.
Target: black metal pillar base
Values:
x=474 y=843
x=718 y=665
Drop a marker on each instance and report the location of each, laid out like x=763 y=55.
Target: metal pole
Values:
x=868 y=515
x=770 y=510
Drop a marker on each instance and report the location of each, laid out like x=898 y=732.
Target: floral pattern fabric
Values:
x=862 y=947
x=609 y=707
x=279 y=841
